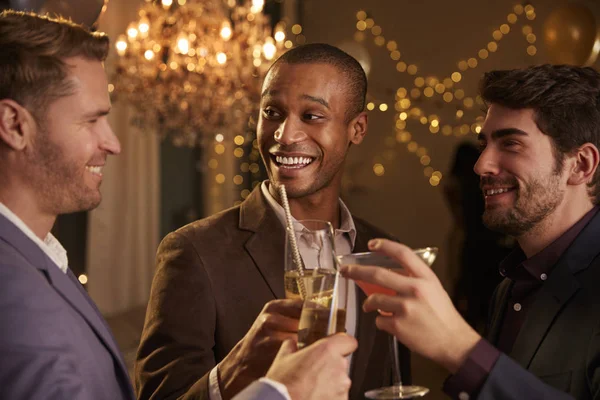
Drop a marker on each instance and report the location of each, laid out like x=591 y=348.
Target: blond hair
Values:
x=32 y=53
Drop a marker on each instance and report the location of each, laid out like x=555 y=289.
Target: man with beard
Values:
x=539 y=174
x=54 y=143
x=205 y=335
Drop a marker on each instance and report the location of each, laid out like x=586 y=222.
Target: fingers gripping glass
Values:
x=397 y=390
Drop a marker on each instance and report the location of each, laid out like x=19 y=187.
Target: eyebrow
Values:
x=500 y=133
x=319 y=100
x=308 y=97
x=96 y=114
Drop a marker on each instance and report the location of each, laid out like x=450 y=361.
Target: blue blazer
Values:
x=556 y=354
x=54 y=343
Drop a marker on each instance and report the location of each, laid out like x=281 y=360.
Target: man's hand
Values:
x=422 y=315
x=252 y=356
x=319 y=371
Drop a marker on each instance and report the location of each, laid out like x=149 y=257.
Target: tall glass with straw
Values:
x=311 y=274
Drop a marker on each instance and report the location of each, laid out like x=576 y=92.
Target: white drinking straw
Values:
x=292 y=236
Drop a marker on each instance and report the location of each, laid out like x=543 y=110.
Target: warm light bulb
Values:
x=269 y=48
x=167 y=3
x=257 y=6
x=183 y=44
x=296 y=29
x=132 y=32
x=221 y=58
x=149 y=55
x=226 y=30
x=144 y=26
x=279 y=36
x=121 y=45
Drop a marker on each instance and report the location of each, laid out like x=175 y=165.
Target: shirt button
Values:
x=517 y=307
x=543 y=277
x=463 y=396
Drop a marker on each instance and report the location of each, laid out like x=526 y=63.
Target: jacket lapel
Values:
x=266 y=245
x=67 y=286
x=552 y=297
x=72 y=291
x=500 y=302
x=556 y=292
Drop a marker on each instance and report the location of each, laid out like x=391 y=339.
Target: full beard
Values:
x=58 y=180
x=532 y=206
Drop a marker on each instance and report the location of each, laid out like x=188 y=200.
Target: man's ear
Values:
x=586 y=159
x=358 y=128
x=17 y=125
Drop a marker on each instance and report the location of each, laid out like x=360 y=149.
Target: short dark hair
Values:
x=565 y=100
x=33 y=47
x=315 y=53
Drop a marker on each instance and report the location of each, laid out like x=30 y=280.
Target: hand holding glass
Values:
x=428 y=254
x=315 y=279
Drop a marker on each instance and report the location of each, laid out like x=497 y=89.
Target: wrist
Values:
x=458 y=350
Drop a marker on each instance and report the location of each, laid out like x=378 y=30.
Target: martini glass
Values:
x=397 y=390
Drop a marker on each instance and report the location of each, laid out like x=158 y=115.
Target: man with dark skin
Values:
x=229 y=267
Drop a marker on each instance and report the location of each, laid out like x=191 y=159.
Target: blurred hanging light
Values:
x=193 y=68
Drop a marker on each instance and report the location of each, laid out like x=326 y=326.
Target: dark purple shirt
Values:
x=527 y=277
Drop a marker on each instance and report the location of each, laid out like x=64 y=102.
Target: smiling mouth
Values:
x=94 y=169
x=497 y=191
x=293 y=162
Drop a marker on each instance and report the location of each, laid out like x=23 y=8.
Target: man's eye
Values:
x=510 y=143
x=311 y=117
x=269 y=113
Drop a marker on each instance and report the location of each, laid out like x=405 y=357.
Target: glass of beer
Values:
x=311 y=274
x=397 y=390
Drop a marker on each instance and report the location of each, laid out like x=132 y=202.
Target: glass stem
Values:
x=396 y=376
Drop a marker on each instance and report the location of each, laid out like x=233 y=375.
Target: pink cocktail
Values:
x=397 y=390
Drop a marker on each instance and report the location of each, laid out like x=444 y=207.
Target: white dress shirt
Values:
x=50 y=245
x=344 y=238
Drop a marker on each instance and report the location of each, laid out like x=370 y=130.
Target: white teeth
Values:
x=491 y=192
x=293 y=160
x=94 y=170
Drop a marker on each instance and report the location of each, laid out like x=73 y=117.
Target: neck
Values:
x=553 y=227
x=21 y=204
x=323 y=205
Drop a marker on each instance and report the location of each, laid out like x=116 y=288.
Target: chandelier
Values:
x=192 y=69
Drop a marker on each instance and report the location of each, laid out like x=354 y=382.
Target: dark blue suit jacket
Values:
x=54 y=343
x=557 y=352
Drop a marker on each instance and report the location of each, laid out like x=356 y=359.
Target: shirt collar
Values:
x=538 y=266
x=50 y=245
x=346 y=222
